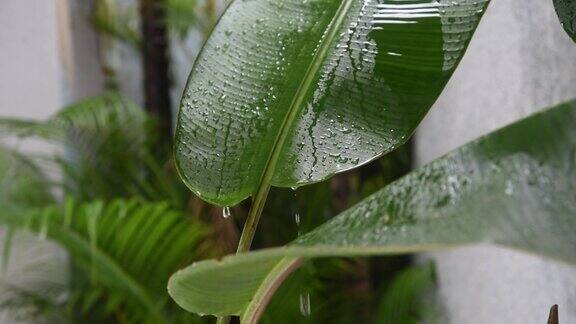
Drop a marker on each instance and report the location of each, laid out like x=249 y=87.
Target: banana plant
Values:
x=525 y=173
x=288 y=93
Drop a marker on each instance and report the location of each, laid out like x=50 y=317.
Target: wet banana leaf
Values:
x=515 y=187
x=290 y=92
x=566 y=10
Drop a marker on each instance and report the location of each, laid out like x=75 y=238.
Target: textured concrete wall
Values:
x=519 y=62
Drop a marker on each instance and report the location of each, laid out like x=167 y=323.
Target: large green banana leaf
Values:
x=515 y=187
x=566 y=10
x=289 y=92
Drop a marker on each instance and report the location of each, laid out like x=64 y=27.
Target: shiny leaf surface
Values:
x=566 y=10
x=515 y=187
x=290 y=92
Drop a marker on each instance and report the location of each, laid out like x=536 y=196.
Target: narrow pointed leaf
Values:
x=566 y=10
x=515 y=187
x=290 y=92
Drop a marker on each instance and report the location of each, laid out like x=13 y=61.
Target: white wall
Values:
x=520 y=61
x=48 y=59
x=31 y=74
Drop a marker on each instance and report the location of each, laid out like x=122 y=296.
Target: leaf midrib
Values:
x=300 y=95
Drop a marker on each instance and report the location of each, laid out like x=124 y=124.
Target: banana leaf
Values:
x=289 y=92
x=515 y=187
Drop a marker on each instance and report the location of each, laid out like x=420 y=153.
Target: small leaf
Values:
x=515 y=187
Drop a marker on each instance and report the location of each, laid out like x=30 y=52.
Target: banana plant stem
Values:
x=253 y=219
x=250 y=229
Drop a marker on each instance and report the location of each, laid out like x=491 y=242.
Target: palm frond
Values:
x=108 y=150
x=22 y=184
x=123 y=251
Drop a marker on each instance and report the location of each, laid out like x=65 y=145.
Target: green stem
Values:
x=250 y=228
x=297 y=102
x=253 y=219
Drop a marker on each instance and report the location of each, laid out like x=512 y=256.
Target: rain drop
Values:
x=305 y=304
x=226 y=212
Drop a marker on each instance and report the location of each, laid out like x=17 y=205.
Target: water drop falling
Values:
x=226 y=212
x=305 y=304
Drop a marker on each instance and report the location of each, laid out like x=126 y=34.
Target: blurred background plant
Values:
x=112 y=201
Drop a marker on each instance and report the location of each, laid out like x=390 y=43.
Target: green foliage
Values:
x=181 y=16
x=524 y=172
x=566 y=10
x=285 y=99
x=108 y=20
x=122 y=252
x=402 y=302
x=21 y=182
x=285 y=93
x=109 y=150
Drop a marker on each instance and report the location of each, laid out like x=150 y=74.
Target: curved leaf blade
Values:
x=515 y=187
x=290 y=92
x=566 y=10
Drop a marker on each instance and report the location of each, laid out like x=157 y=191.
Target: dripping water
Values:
x=226 y=212
x=305 y=308
x=297 y=220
